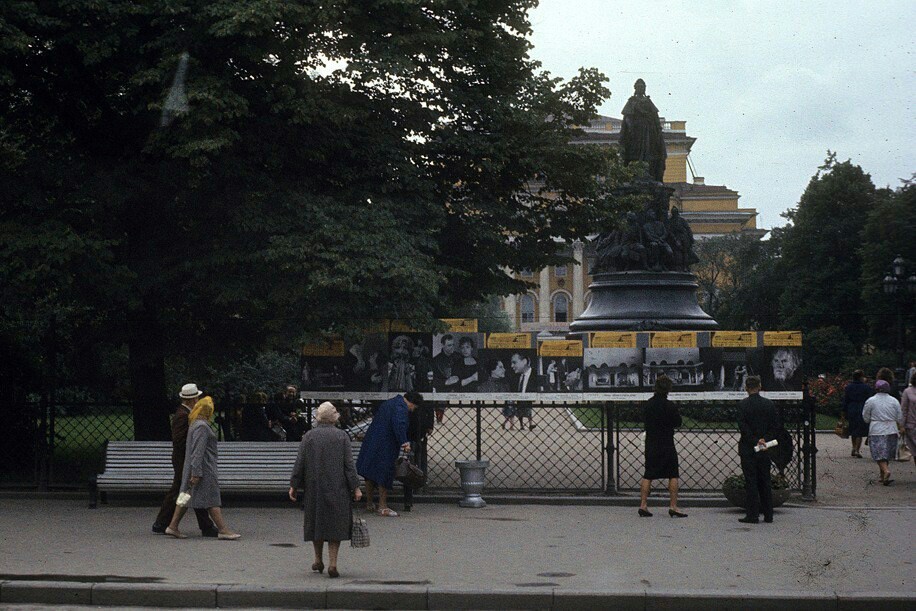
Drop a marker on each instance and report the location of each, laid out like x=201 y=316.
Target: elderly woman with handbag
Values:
x=883 y=414
x=324 y=469
x=200 y=478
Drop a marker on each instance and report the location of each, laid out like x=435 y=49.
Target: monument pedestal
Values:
x=643 y=301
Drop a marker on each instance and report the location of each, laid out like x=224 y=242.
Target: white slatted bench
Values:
x=244 y=467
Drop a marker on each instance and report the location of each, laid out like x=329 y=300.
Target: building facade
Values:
x=560 y=294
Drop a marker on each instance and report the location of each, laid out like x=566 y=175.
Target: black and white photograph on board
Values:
x=782 y=369
x=560 y=374
x=409 y=363
x=322 y=373
x=456 y=362
x=683 y=366
x=613 y=369
x=366 y=363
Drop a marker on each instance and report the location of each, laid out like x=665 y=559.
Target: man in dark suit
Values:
x=758 y=423
x=189 y=395
x=526 y=382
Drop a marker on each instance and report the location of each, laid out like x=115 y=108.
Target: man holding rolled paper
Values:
x=759 y=424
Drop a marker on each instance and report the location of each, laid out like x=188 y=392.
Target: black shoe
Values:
x=768 y=520
x=209 y=533
x=676 y=514
x=749 y=521
x=643 y=513
x=158 y=529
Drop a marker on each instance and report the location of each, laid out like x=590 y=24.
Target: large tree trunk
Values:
x=147 y=377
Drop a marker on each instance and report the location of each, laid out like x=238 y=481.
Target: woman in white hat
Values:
x=325 y=470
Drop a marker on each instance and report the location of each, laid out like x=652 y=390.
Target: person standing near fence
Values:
x=188 y=395
x=200 y=477
x=324 y=470
x=661 y=417
x=385 y=439
x=758 y=423
x=884 y=417
x=854 y=397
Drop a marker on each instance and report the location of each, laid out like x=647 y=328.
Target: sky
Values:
x=765 y=87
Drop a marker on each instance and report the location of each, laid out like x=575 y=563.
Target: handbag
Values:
x=359 y=537
x=842 y=428
x=903 y=452
x=408 y=473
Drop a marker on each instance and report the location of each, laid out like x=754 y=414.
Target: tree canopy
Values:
x=326 y=164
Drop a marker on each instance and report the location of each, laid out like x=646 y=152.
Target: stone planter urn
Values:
x=473 y=477
x=733 y=489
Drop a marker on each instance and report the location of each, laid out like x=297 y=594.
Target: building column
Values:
x=544 y=296
x=578 y=282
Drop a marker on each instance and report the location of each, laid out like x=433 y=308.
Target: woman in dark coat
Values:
x=324 y=469
x=854 y=397
x=661 y=417
x=385 y=439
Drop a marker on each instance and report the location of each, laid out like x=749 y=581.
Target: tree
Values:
x=888 y=233
x=821 y=250
x=737 y=274
x=827 y=349
x=304 y=169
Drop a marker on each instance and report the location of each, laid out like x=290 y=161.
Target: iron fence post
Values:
x=611 y=486
x=479 y=430
x=808 y=416
x=41 y=455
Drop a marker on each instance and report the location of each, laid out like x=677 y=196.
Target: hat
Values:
x=189 y=391
x=327 y=413
x=882 y=386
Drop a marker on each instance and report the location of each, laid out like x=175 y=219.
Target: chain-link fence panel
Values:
x=546 y=452
x=77 y=435
x=706 y=443
x=19 y=444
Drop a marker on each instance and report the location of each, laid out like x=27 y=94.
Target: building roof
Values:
x=691 y=189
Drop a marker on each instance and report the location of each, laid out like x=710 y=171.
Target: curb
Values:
x=364 y=596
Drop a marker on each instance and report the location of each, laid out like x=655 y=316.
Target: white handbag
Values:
x=183 y=499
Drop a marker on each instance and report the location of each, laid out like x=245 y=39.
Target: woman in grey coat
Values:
x=325 y=470
x=200 y=477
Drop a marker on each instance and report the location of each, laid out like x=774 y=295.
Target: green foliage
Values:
x=827 y=349
x=889 y=231
x=340 y=163
x=821 y=251
x=229 y=378
x=738 y=276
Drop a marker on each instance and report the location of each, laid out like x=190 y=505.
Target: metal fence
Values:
x=573 y=448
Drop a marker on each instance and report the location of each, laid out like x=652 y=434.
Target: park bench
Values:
x=247 y=467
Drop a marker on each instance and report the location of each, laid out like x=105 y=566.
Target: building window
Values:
x=527 y=308
x=560 y=271
x=560 y=308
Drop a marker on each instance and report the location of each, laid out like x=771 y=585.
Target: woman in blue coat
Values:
x=854 y=397
x=386 y=437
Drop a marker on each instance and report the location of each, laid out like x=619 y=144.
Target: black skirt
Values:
x=661 y=461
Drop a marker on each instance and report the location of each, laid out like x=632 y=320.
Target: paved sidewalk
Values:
x=442 y=556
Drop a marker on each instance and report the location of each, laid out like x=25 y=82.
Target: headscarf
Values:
x=327 y=413
x=882 y=386
x=203 y=410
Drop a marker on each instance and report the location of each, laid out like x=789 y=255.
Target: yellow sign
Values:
x=610 y=339
x=401 y=326
x=673 y=339
x=333 y=347
x=376 y=326
x=560 y=348
x=734 y=339
x=782 y=338
x=518 y=341
x=461 y=325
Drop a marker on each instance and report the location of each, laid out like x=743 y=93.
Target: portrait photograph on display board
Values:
x=727 y=369
x=409 y=365
x=456 y=362
x=322 y=366
x=613 y=369
x=366 y=363
x=683 y=366
x=560 y=366
x=509 y=362
x=781 y=369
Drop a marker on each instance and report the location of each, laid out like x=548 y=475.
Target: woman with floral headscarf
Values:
x=200 y=478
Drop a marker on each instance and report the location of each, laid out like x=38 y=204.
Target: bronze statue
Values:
x=641 y=133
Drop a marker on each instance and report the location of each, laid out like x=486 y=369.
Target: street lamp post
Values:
x=897 y=284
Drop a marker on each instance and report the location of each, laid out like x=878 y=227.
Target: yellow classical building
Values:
x=560 y=294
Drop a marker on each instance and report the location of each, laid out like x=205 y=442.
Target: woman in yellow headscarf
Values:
x=200 y=477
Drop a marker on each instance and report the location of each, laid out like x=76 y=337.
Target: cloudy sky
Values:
x=765 y=87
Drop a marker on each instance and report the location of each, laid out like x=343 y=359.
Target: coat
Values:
x=381 y=446
x=324 y=470
x=661 y=417
x=200 y=461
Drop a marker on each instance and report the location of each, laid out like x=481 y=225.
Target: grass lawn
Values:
x=80 y=443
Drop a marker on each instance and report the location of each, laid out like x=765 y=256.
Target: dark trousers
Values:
x=168 y=503
x=757 y=485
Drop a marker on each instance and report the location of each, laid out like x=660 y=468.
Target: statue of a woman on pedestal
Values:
x=641 y=133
